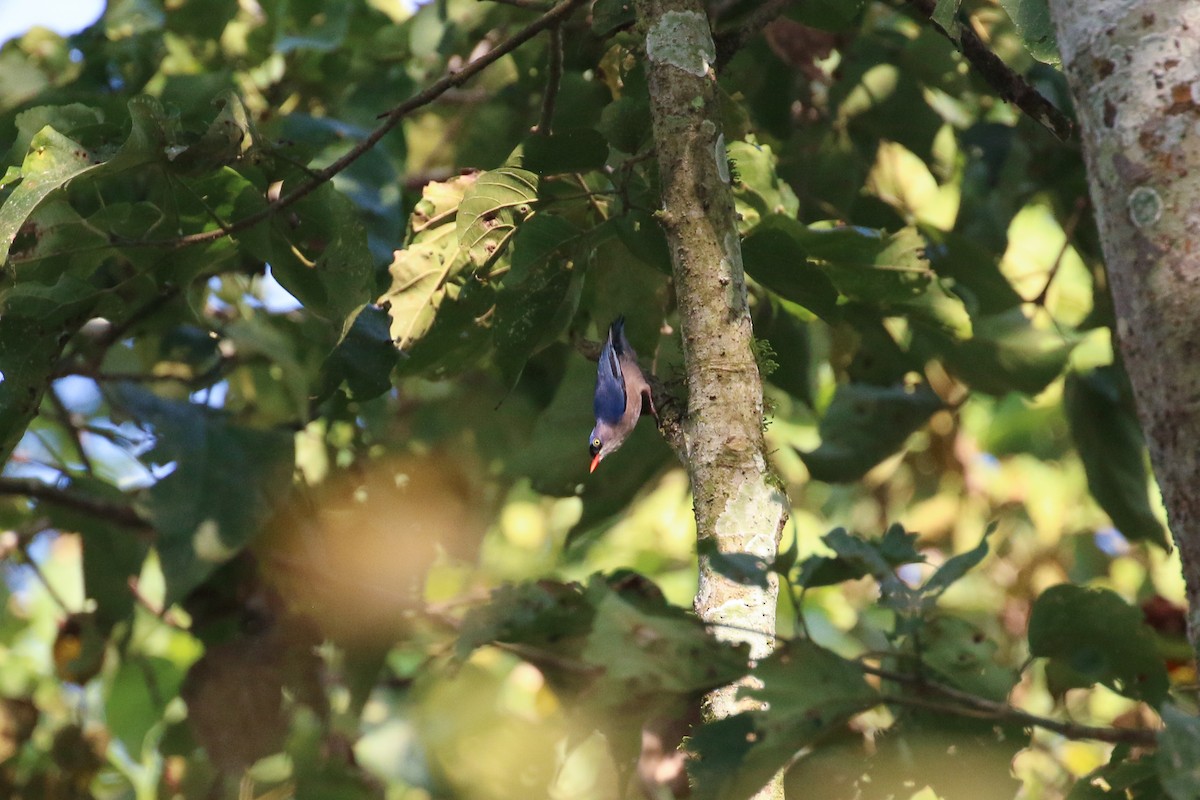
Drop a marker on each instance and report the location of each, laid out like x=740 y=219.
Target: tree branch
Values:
x=553 y=78
x=738 y=507
x=45 y=493
x=391 y=119
x=974 y=705
x=1008 y=84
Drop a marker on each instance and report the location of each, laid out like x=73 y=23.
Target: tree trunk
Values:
x=1134 y=72
x=738 y=508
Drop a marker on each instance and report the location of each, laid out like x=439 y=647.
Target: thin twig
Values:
x=967 y=704
x=530 y=5
x=41 y=576
x=1068 y=235
x=1008 y=84
x=729 y=42
x=64 y=416
x=391 y=119
x=554 y=72
x=45 y=493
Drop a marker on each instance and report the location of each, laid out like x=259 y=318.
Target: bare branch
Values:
x=553 y=78
x=45 y=493
x=1008 y=84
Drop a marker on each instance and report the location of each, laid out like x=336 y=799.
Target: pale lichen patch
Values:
x=1145 y=206
x=683 y=40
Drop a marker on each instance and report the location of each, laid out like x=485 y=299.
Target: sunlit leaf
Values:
x=864 y=425
x=492 y=208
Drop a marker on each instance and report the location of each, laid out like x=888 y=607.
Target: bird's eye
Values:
x=596 y=444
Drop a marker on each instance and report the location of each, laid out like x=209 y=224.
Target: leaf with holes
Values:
x=491 y=210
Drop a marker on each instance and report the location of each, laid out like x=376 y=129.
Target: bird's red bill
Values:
x=595 y=461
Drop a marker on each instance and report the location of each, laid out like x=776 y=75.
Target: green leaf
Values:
x=1178 y=757
x=321 y=255
x=758 y=192
x=1006 y=353
x=364 y=359
x=608 y=15
x=491 y=210
x=541 y=613
x=784 y=326
x=625 y=123
x=1110 y=445
x=773 y=254
x=1120 y=778
x=954 y=568
x=1033 y=23
x=965 y=658
x=540 y=293
x=830 y=15
x=52 y=160
x=864 y=425
x=895 y=548
x=809 y=691
x=652 y=650
x=1098 y=636
x=566 y=150
x=226 y=482
x=137 y=699
x=945 y=14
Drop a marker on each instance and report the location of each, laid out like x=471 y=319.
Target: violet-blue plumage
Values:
x=621 y=389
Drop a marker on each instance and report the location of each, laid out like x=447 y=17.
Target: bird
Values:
x=621 y=390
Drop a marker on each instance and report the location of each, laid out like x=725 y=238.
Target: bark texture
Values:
x=737 y=506
x=1134 y=72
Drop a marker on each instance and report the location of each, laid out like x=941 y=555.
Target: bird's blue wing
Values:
x=609 y=403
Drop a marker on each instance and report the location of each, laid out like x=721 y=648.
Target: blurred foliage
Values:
x=286 y=512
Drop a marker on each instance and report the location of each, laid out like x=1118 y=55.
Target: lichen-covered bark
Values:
x=736 y=504
x=1134 y=72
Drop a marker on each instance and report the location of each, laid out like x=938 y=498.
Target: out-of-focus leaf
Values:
x=965 y=658
x=1032 y=21
x=137 y=697
x=608 y=15
x=857 y=557
x=1110 y=444
x=225 y=482
x=491 y=210
x=830 y=15
x=864 y=425
x=1119 y=778
x=903 y=181
x=644 y=238
x=810 y=692
x=956 y=567
x=1098 y=636
x=1005 y=354
x=1178 y=757
x=566 y=150
x=625 y=123
x=783 y=325
x=539 y=295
